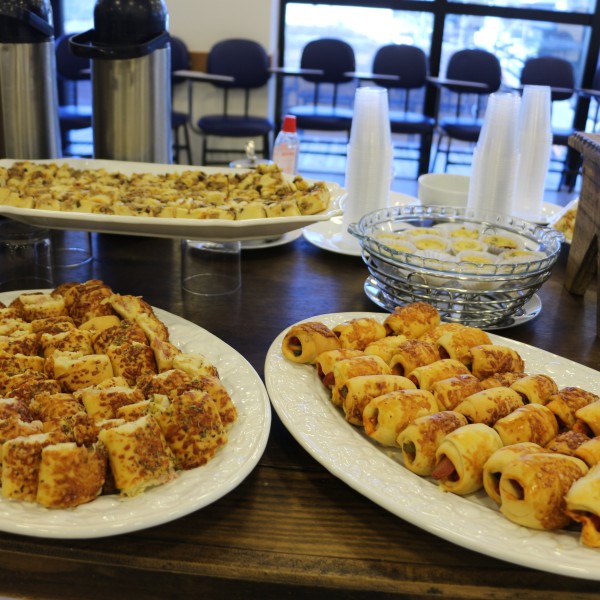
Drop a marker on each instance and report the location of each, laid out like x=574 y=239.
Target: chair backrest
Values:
x=332 y=56
x=70 y=67
x=475 y=65
x=180 y=55
x=245 y=60
x=409 y=63
x=551 y=71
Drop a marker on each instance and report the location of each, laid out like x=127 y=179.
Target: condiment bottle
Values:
x=287 y=146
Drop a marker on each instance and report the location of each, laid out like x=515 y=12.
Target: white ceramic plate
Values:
x=191 y=490
x=260 y=244
x=208 y=229
x=473 y=522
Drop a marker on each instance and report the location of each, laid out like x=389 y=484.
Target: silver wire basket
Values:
x=484 y=295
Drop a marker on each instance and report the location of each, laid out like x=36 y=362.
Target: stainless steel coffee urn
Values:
x=131 y=80
x=29 y=127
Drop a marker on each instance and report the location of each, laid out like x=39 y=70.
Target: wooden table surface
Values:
x=291 y=529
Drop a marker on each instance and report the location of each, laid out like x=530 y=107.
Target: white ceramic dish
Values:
x=260 y=244
x=473 y=522
x=209 y=229
x=191 y=490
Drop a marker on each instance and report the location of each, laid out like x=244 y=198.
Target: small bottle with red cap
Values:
x=287 y=146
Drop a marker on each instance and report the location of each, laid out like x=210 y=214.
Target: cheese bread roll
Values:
x=488 y=359
x=326 y=360
x=412 y=354
x=583 y=506
x=490 y=405
x=533 y=489
x=528 y=423
x=362 y=389
x=456 y=344
x=461 y=455
x=535 y=389
x=450 y=392
x=386 y=347
x=496 y=463
x=420 y=440
x=567 y=402
x=384 y=417
x=424 y=377
x=359 y=333
x=344 y=370
x=74 y=371
x=412 y=320
x=305 y=341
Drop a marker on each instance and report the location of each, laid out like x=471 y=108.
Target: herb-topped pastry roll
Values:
x=325 y=361
x=535 y=389
x=384 y=417
x=456 y=344
x=305 y=341
x=344 y=370
x=583 y=506
x=488 y=359
x=412 y=320
x=427 y=375
x=412 y=354
x=359 y=333
x=420 y=440
x=533 y=489
x=461 y=455
x=450 y=392
x=528 y=423
x=567 y=402
x=590 y=415
x=490 y=405
x=386 y=347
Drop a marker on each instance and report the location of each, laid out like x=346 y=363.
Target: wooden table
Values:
x=290 y=530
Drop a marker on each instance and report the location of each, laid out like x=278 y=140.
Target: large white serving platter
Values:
x=473 y=522
x=191 y=490
x=207 y=229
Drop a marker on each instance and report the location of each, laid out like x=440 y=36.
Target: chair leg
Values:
x=266 y=147
x=176 y=145
x=425 y=153
x=188 y=145
x=204 y=149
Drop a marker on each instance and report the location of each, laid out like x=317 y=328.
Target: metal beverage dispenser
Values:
x=29 y=126
x=131 y=80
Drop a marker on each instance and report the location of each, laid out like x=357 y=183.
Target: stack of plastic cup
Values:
x=535 y=130
x=496 y=156
x=369 y=162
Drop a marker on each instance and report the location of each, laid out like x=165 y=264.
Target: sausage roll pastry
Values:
x=412 y=354
x=427 y=375
x=359 y=333
x=490 y=405
x=344 y=370
x=589 y=451
x=567 y=442
x=434 y=334
x=420 y=440
x=386 y=416
x=590 y=415
x=488 y=359
x=326 y=360
x=567 y=402
x=535 y=389
x=412 y=320
x=362 y=389
x=496 y=463
x=583 y=506
x=529 y=423
x=386 y=347
x=461 y=455
x=456 y=344
x=450 y=392
x=533 y=489
x=305 y=341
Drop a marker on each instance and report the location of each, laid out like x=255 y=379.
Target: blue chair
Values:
x=409 y=64
x=180 y=60
x=247 y=63
x=471 y=75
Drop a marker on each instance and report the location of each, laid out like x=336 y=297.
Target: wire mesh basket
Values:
x=479 y=294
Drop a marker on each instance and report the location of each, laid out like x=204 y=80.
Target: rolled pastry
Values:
x=583 y=506
x=412 y=320
x=501 y=379
x=590 y=415
x=305 y=341
x=325 y=361
x=488 y=359
x=456 y=344
x=533 y=489
x=424 y=377
x=461 y=456
x=362 y=389
x=412 y=354
x=567 y=402
x=452 y=391
x=433 y=335
x=490 y=405
x=496 y=463
x=384 y=417
x=344 y=370
x=529 y=423
x=589 y=451
x=535 y=389
x=568 y=442
x=386 y=347
x=420 y=440
x=359 y=333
